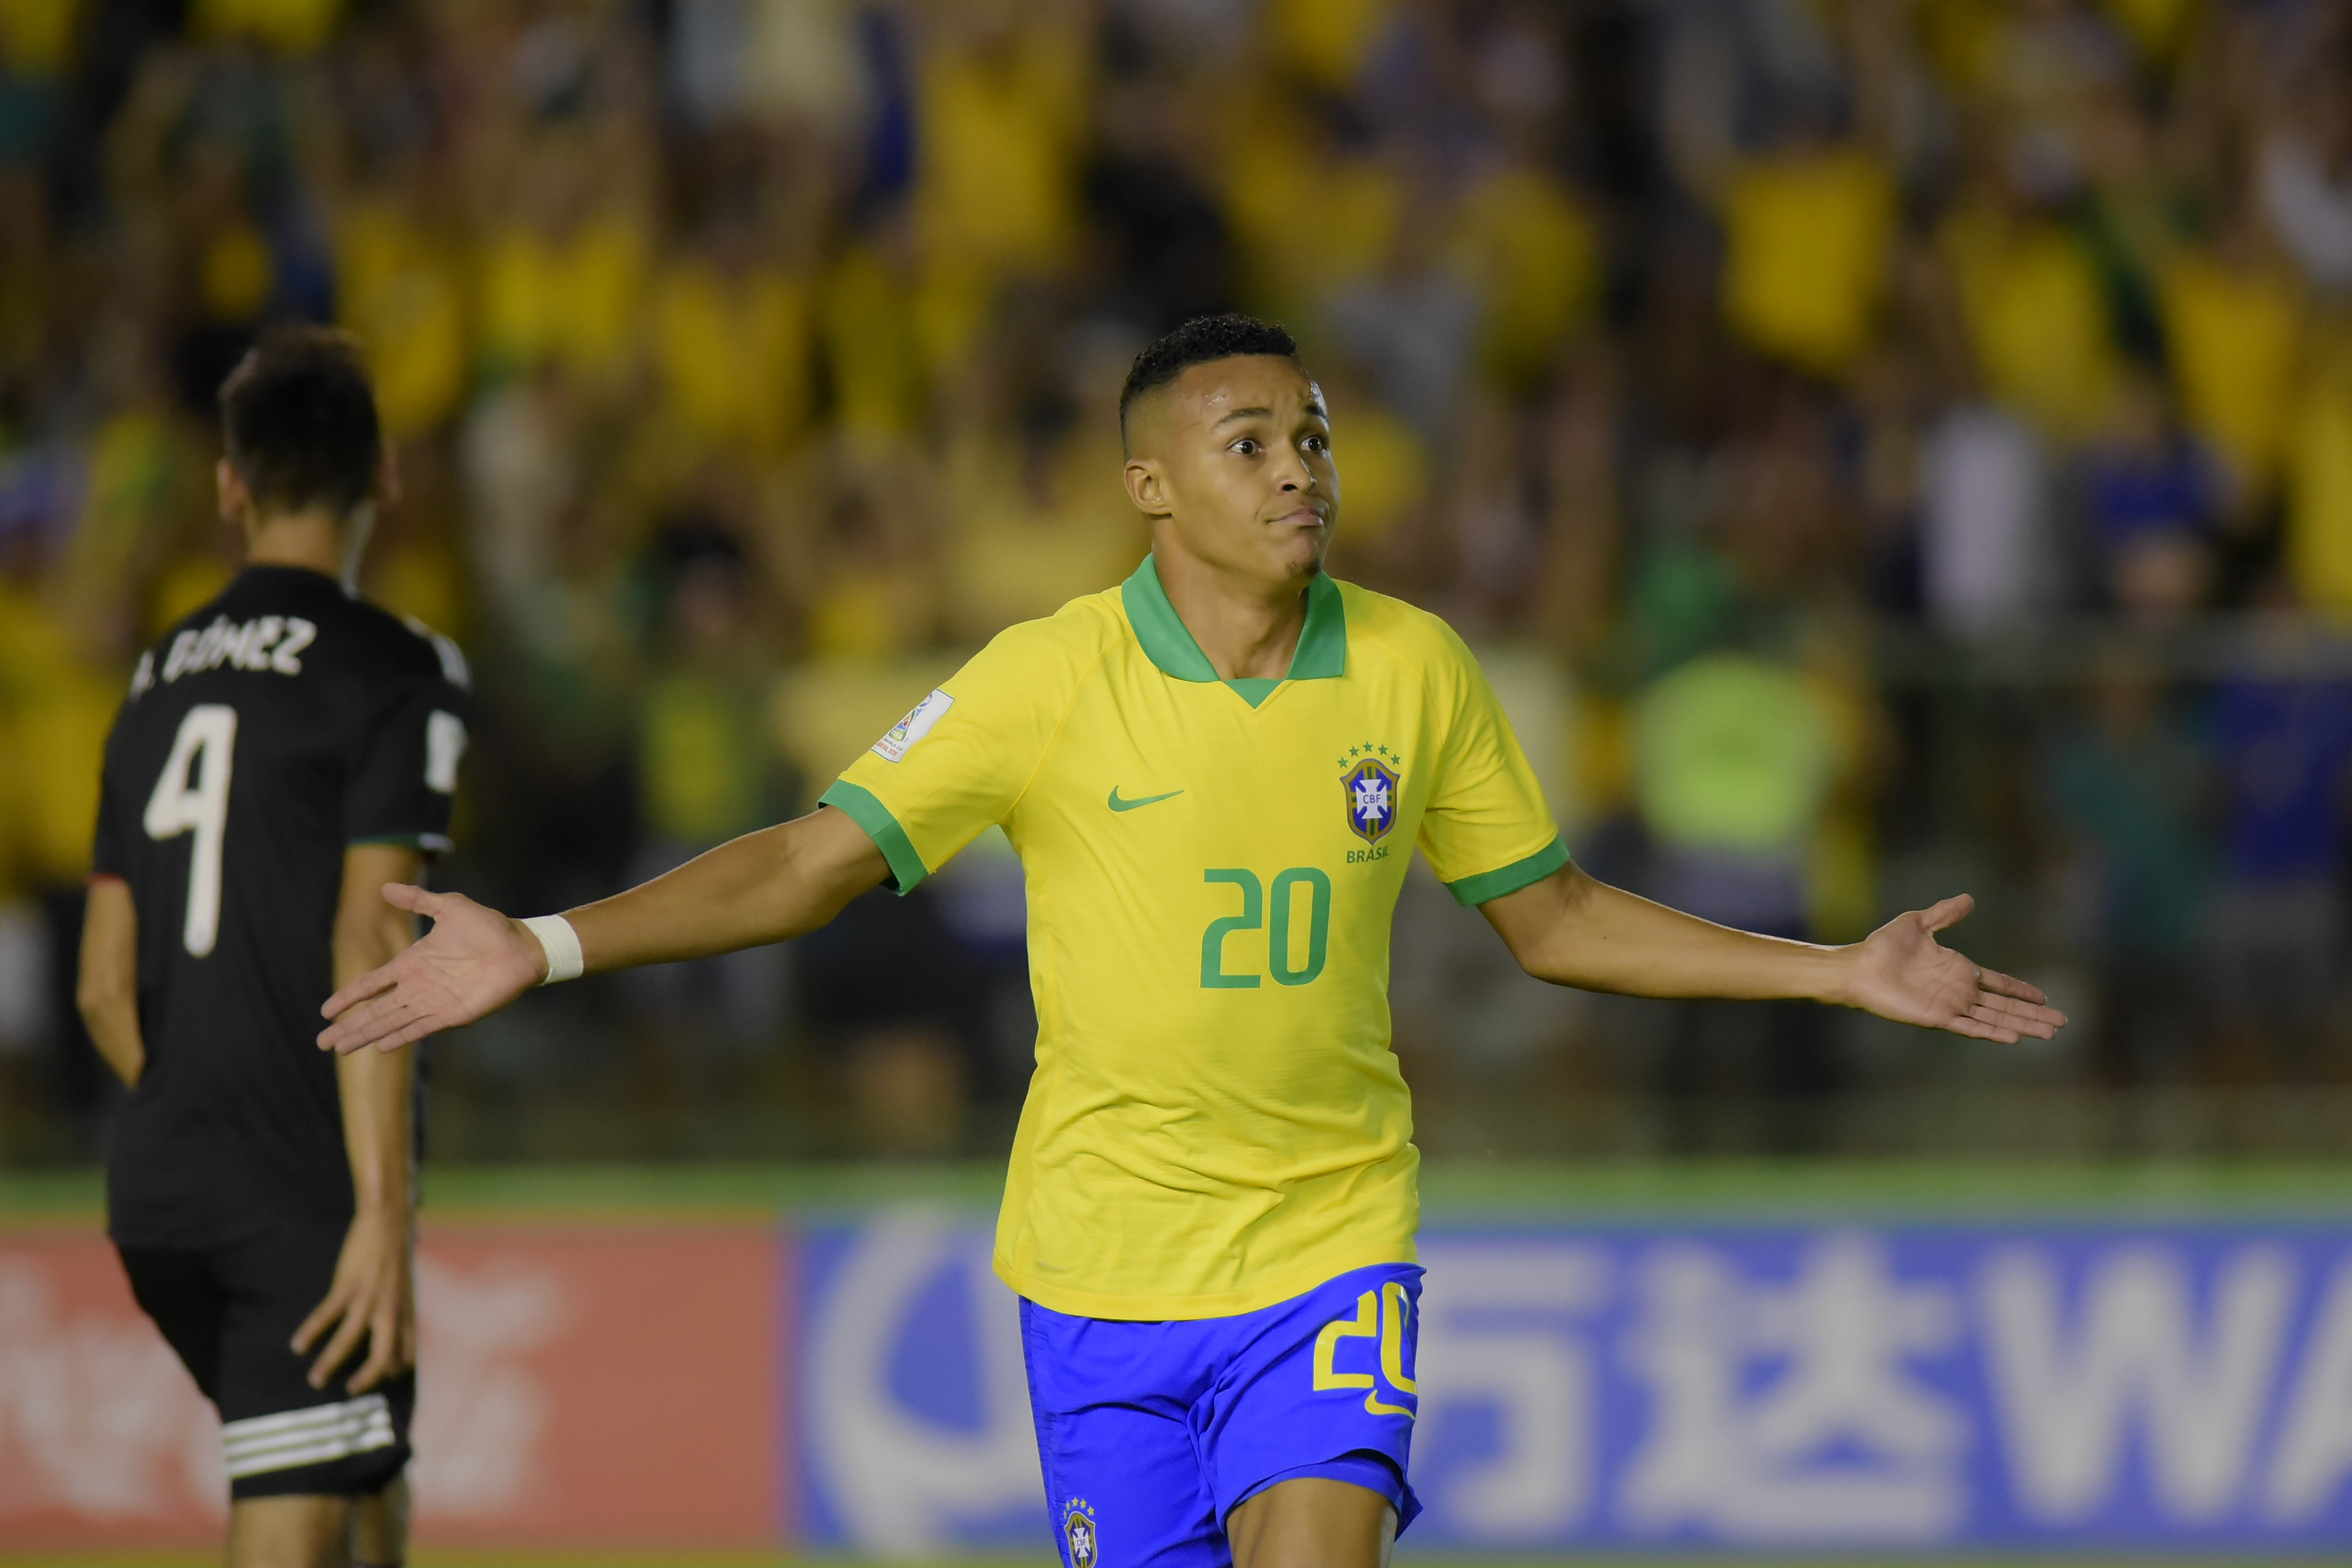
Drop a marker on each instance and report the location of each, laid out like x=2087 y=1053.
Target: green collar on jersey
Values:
x=1321 y=654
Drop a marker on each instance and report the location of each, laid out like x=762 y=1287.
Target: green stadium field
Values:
x=1455 y=1188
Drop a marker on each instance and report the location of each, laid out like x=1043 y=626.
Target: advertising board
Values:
x=1700 y=1387
x=851 y=1383
x=583 y=1383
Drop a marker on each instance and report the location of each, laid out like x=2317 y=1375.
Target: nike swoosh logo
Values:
x=1118 y=805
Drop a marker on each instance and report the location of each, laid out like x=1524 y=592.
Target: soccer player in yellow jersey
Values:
x=1213 y=775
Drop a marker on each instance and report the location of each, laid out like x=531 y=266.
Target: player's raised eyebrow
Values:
x=1313 y=406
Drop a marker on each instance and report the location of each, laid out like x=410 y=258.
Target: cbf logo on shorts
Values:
x=1078 y=1530
x=1370 y=786
x=1383 y=1316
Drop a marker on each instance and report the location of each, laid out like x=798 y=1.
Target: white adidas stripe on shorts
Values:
x=259 y=1444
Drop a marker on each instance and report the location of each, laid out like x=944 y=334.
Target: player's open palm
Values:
x=474 y=961
x=1903 y=973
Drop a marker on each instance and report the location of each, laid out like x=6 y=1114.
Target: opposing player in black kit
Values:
x=284 y=752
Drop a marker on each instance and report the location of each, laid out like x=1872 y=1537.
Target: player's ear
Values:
x=1147 y=486
x=229 y=486
x=387 y=476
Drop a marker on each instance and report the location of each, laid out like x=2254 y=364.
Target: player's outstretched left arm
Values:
x=1572 y=930
x=780 y=882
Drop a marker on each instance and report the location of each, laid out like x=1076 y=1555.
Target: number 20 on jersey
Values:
x=1280 y=899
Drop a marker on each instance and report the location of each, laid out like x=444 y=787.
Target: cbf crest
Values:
x=1371 y=791
x=1078 y=1531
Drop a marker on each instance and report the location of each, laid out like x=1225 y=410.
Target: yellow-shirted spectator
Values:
x=1736 y=756
x=866 y=556
x=136 y=481
x=1018 y=551
x=130 y=480
x=732 y=348
x=1807 y=238
x=1327 y=41
x=2031 y=73
x=826 y=711
x=699 y=760
x=1001 y=116
x=2319 y=485
x=37 y=37
x=873 y=355
x=57 y=703
x=705 y=760
x=399 y=291
x=570 y=294
x=419 y=580
x=862 y=612
x=183 y=587
x=1307 y=217
x=1961 y=39
x=290 y=26
x=2233 y=335
x=60 y=737
x=950 y=310
x=236 y=275
x=2157 y=27
x=1531 y=248
x=2036 y=318
x=1389 y=476
x=20 y=650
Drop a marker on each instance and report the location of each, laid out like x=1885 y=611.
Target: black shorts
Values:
x=231 y=1311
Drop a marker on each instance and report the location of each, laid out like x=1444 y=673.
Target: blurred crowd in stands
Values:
x=1879 y=447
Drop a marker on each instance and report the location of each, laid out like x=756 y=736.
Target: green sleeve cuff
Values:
x=429 y=843
x=1471 y=891
x=906 y=867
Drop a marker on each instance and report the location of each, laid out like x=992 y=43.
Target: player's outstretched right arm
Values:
x=780 y=882
x=1572 y=930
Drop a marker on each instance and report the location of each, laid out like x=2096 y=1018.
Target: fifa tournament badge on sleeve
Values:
x=894 y=746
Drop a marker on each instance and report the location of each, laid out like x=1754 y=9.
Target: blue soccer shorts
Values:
x=1152 y=1434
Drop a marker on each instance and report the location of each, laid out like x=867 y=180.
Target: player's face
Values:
x=1236 y=464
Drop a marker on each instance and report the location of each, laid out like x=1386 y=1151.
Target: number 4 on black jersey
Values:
x=276 y=727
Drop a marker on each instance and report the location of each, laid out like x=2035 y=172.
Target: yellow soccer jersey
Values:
x=1216 y=1121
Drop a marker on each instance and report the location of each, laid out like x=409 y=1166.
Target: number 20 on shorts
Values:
x=1378 y=1314
x=1281 y=933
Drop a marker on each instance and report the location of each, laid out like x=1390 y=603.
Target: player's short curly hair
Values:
x=1197 y=341
x=299 y=420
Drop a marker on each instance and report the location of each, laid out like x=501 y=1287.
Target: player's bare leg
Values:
x=1313 y=1522
x=290 y=1533
x=380 y=1527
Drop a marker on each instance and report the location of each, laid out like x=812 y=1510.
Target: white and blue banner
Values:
x=1690 y=1386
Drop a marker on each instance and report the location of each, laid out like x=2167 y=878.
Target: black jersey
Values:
x=276 y=726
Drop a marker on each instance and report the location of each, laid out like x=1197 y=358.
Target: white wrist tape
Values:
x=562 y=945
